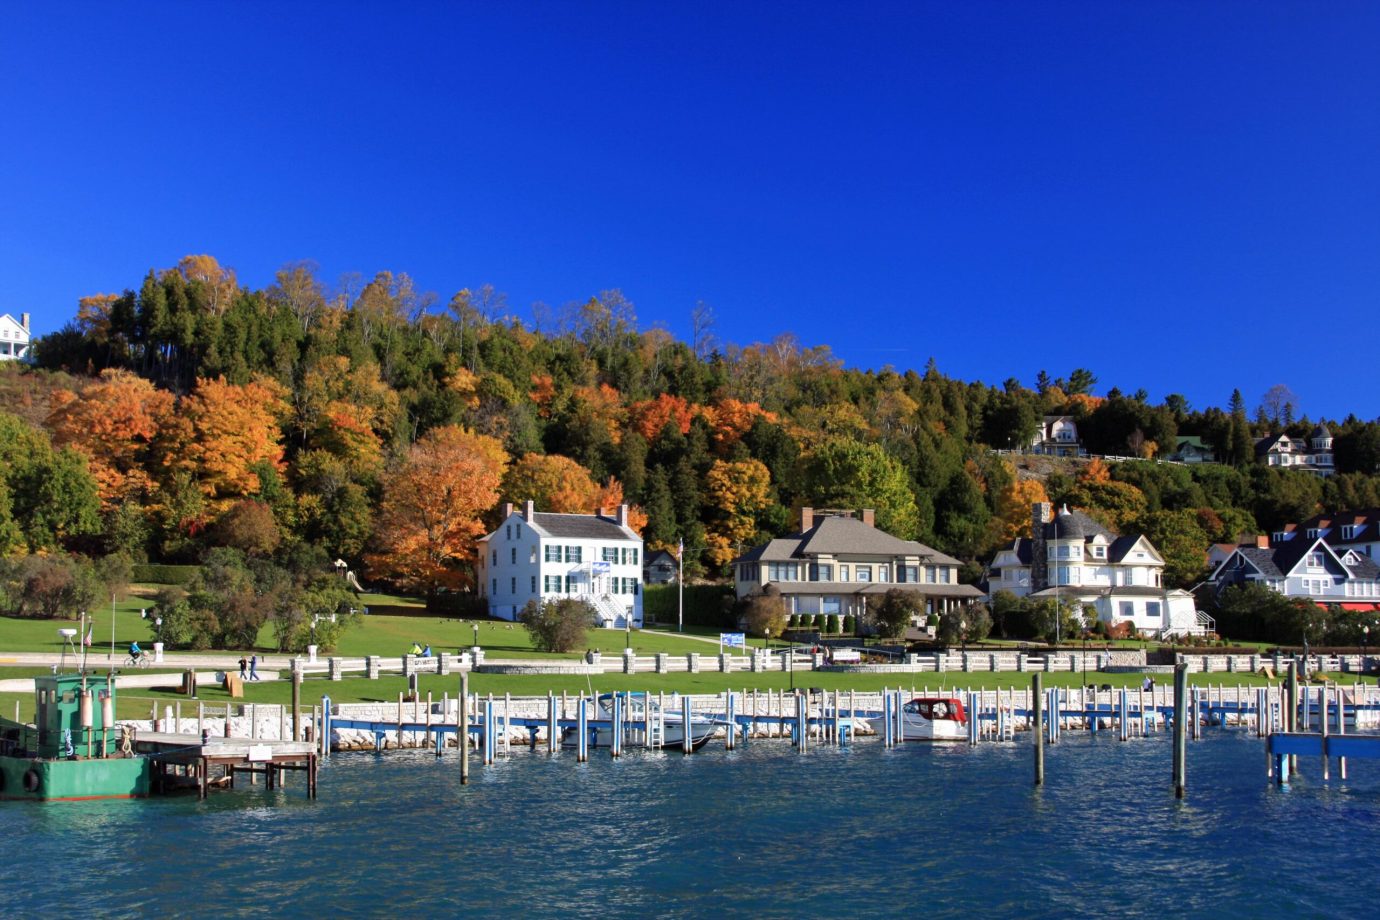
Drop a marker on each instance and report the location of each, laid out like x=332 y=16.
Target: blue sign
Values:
x=601 y=568
x=733 y=640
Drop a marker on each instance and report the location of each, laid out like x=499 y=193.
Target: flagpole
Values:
x=84 y=644
x=680 y=586
x=112 y=627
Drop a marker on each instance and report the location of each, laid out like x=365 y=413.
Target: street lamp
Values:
x=963 y=635
x=1365 y=642
x=627 y=633
x=476 y=635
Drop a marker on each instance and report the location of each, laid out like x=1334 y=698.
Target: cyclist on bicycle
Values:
x=134 y=651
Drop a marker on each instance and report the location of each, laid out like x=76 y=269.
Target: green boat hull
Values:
x=74 y=780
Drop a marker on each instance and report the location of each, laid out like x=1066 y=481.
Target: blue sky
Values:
x=1183 y=197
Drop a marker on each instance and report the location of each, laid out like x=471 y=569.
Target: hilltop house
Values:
x=1071 y=557
x=839 y=563
x=1191 y=449
x=539 y=556
x=1058 y=435
x=1313 y=454
x=14 y=337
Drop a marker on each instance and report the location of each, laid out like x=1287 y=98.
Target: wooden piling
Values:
x=462 y=733
x=1037 y=697
x=1181 y=717
x=296 y=702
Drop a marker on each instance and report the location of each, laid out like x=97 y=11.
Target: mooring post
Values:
x=687 y=742
x=462 y=727
x=552 y=732
x=325 y=727
x=1037 y=698
x=728 y=738
x=296 y=699
x=1181 y=717
x=582 y=730
x=616 y=726
x=1322 y=730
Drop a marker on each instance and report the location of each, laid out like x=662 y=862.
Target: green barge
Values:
x=73 y=751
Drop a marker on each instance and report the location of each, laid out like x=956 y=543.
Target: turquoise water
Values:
x=762 y=831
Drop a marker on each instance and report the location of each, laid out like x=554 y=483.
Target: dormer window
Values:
x=1312 y=533
x=1278 y=536
x=1099 y=552
x=1348 y=531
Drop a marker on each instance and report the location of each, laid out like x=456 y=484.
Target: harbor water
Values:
x=760 y=831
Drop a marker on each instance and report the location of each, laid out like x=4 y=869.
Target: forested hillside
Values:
x=374 y=423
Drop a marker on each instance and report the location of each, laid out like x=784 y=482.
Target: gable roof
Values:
x=842 y=536
x=571 y=526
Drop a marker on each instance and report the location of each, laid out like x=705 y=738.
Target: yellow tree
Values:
x=221 y=432
x=554 y=483
x=1011 y=517
x=114 y=422
x=345 y=407
x=431 y=511
x=737 y=490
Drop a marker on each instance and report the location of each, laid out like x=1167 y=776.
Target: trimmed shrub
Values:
x=831 y=624
x=850 y=625
x=181 y=575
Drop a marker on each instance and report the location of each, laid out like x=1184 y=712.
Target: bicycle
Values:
x=137 y=661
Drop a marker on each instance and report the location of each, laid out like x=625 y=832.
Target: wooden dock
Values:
x=186 y=756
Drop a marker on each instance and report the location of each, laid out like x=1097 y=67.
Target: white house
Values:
x=14 y=337
x=1305 y=567
x=1058 y=435
x=1072 y=558
x=540 y=556
x=1312 y=454
x=839 y=563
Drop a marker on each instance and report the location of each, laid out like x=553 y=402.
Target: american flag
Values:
x=89 y=631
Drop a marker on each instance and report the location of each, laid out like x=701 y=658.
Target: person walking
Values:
x=244 y=664
x=253 y=663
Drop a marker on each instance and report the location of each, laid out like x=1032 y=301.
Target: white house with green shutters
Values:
x=539 y=556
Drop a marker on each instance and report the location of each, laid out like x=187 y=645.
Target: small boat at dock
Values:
x=928 y=718
x=640 y=715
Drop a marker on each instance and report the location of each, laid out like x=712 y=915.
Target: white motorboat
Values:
x=928 y=718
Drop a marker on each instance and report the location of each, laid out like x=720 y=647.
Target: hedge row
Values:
x=148 y=574
x=705 y=605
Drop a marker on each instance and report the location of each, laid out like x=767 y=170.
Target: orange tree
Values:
x=429 y=518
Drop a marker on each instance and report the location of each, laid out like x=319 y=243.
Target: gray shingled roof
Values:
x=842 y=536
x=875 y=588
x=581 y=527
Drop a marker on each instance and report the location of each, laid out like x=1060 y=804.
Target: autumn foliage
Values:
x=431 y=512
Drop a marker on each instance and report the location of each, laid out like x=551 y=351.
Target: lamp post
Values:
x=476 y=635
x=1365 y=642
x=963 y=635
x=627 y=633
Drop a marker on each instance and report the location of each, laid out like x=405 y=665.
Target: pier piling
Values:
x=1181 y=719
x=1037 y=698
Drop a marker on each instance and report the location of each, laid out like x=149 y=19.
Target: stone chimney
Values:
x=807 y=519
x=1039 y=562
x=507 y=510
x=528 y=510
x=24 y=321
x=869 y=517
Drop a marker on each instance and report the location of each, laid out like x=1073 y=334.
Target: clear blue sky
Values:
x=1183 y=197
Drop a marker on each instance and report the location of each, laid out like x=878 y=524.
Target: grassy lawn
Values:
x=25 y=635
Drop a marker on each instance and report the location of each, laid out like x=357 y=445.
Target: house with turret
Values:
x=1071 y=558
x=1312 y=454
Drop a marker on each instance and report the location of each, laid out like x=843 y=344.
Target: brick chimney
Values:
x=507 y=510
x=869 y=517
x=528 y=510
x=24 y=321
x=1039 y=563
x=623 y=515
x=1262 y=541
x=807 y=519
